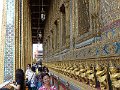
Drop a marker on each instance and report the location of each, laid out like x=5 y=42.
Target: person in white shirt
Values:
x=32 y=78
x=28 y=71
x=28 y=76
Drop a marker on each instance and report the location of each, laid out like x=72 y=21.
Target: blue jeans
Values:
x=39 y=84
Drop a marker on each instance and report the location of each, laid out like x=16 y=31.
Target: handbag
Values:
x=28 y=82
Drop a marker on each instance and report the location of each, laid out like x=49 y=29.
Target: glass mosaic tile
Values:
x=9 y=42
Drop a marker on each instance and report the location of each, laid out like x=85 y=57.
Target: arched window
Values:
x=52 y=40
x=62 y=10
x=49 y=44
x=57 y=33
x=83 y=16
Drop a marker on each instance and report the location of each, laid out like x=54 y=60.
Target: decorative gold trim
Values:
x=76 y=83
x=87 y=70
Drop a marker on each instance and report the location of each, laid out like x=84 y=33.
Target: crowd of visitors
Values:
x=36 y=77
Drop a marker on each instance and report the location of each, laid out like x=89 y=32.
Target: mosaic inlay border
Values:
x=9 y=42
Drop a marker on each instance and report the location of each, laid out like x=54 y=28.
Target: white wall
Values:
x=1 y=9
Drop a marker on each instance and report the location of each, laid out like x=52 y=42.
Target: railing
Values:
x=6 y=85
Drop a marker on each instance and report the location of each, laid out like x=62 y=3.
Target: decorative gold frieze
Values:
x=114 y=76
x=93 y=72
x=101 y=75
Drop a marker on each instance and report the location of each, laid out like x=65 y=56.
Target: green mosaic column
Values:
x=9 y=41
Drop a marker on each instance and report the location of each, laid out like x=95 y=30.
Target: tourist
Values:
x=46 y=83
x=4 y=89
x=45 y=69
x=32 y=79
x=39 y=78
x=28 y=71
x=18 y=84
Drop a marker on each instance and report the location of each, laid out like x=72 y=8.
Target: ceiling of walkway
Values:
x=37 y=25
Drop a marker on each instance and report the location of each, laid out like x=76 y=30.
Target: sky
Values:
x=37 y=47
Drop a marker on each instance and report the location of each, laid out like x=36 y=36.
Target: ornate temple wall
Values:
x=15 y=38
x=23 y=37
x=83 y=36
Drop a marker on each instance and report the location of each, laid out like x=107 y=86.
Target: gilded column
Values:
x=17 y=47
x=27 y=48
x=23 y=33
x=29 y=40
x=26 y=35
x=30 y=46
x=20 y=32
